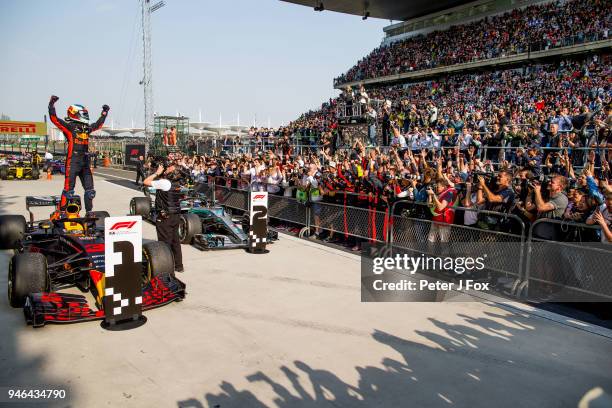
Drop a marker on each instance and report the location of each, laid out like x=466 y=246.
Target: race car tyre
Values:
x=189 y=226
x=140 y=206
x=101 y=215
x=157 y=260
x=35 y=173
x=4 y=172
x=27 y=274
x=12 y=228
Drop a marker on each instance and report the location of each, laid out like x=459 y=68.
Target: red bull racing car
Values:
x=66 y=251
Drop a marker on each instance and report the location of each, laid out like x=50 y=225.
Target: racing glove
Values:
x=105 y=108
x=53 y=99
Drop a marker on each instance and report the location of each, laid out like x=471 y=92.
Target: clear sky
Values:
x=266 y=58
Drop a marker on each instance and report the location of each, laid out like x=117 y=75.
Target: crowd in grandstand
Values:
x=534 y=141
x=539 y=184
x=554 y=24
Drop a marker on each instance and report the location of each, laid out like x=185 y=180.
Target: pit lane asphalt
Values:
x=288 y=329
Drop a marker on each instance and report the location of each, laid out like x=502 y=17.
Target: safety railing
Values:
x=500 y=237
x=538 y=264
x=296 y=144
x=227 y=193
x=369 y=221
x=562 y=271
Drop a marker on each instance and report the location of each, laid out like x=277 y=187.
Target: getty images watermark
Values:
x=415 y=271
x=404 y=263
x=435 y=272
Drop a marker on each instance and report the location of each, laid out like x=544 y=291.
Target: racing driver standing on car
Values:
x=76 y=129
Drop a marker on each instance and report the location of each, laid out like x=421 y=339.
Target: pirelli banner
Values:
x=13 y=127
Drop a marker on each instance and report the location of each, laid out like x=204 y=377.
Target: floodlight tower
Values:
x=147 y=77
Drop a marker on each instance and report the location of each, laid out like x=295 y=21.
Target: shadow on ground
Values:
x=475 y=364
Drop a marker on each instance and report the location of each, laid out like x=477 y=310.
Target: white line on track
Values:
x=111 y=175
x=126 y=188
x=127 y=171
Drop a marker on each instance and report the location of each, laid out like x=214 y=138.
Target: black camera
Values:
x=157 y=161
x=539 y=180
x=486 y=176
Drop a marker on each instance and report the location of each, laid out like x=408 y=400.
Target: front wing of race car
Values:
x=209 y=241
x=42 y=308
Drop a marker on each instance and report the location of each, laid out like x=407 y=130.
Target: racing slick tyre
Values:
x=12 y=228
x=4 y=172
x=35 y=173
x=157 y=260
x=100 y=215
x=140 y=206
x=189 y=226
x=27 y=274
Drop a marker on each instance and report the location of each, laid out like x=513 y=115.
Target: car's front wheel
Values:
x=27 y=274
x=140 y=206
x=157 y=260
x=189 y=226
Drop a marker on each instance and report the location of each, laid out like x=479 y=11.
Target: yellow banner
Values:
x=13 y=127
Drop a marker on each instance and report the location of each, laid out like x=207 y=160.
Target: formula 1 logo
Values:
x=123 y=225
x=259 y=197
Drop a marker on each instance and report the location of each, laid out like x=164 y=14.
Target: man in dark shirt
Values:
x=502 y=199
x=140 y=170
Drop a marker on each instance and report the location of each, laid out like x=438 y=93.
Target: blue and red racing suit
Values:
x=77 y=157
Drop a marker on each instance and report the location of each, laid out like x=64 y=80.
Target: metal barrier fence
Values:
x=566 y=271
x=299 y=144
x=365 y=223
x=536 y=267
x=503 y=248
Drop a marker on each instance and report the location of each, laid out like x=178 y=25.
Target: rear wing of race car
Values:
x=47 y=201
x=40 y=201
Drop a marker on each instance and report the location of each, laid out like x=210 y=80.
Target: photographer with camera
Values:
x=166 y=181
x=501 y=200
x=557 y=200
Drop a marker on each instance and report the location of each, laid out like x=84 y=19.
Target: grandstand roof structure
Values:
x=386 y=9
